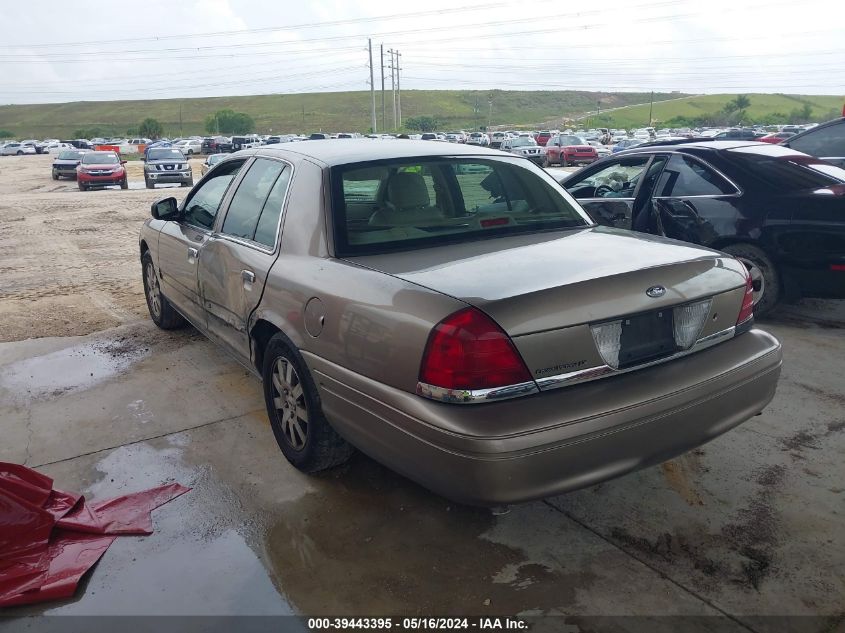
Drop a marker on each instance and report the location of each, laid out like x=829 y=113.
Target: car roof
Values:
x=693 y=145
x=330 y=152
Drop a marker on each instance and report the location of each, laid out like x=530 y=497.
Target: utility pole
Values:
x=393 y=85
x=398 y=89
x=372 y=85
x=489 y=112
x=383 y=122
x=650 y=106
x=180 y=120
x=475 y=111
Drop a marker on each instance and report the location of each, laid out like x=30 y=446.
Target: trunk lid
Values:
x=541 y=282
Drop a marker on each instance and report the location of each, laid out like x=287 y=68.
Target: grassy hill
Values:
x=307 y=112
x=764 y=108
x=350 y=111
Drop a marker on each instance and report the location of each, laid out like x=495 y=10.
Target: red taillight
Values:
x=747 y=309
x=468 y=351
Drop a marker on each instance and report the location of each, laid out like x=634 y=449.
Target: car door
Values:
x=609 y=192
x=239 y=254
x=181 y=242
x=693 y=202
x=553 y=150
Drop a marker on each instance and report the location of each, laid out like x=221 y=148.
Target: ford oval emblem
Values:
x=656 y=291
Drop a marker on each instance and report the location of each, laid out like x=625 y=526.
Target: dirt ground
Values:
x=64 y=269
x=735 y=535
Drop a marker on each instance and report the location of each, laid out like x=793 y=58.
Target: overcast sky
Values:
x=55 y=51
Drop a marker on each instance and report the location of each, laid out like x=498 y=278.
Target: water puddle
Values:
x=72 y=369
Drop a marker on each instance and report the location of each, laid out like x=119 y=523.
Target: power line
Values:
x=271 y=29
x=28 y=57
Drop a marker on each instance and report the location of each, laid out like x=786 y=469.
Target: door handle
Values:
x=248 y=276
x=193 y=253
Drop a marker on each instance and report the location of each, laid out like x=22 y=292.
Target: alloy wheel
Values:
x=289 y=400
x=153 y=290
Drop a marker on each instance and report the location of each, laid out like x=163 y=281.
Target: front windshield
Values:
x=70 y=155
x=523 y=142
x=413 y=203
x=165 y=154
x=215 y=158
x=572 y=140
x=100 y=158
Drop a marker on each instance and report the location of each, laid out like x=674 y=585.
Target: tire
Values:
x=287 y=382
x=190 y=183
x=546 y=162
x=55 y=176
x=148 y=184
x=762 y=269
x=124 y=184
x=563 y=162
x=20 y=153
x=83 y=187
x=190 y=152
x=161 y=312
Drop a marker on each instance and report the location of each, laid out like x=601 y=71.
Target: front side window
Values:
x=685 y=176
x=201 y=208
x=617 y=180
x=248 y=201
x=427 y=202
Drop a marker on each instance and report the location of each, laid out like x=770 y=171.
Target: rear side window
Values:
x=400 y=205
x=268 y=223
x=685 y=176
x=783 y=169
x=825 y=142
x=248 y=202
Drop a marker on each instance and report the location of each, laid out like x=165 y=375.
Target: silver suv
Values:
x=167 y=165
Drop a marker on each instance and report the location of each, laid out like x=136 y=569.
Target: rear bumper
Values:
x=580 y=435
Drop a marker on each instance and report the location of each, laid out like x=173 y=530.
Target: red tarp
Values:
x=50 y=538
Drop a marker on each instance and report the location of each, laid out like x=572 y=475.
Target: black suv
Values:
x=825 y=141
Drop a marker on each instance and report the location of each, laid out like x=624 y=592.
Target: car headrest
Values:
x=407 y=190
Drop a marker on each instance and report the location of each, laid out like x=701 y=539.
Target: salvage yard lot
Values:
x=92 y=394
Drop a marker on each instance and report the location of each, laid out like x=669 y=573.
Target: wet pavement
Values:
x=748 y=525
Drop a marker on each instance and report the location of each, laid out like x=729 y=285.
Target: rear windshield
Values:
x=165 y=153
x=100 y=158
x=70 y=155
x=784 y=169
x=414 y=203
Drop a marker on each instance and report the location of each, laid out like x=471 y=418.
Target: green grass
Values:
x=823 y=107
x=350 y=111
x=308 y=112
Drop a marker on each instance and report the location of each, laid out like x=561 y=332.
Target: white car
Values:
x=189 y=146
x=17 y=149
x=478 y=138
x=58 y=146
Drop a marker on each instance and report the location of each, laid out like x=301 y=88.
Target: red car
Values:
x=101 y=169
x=543 y=137
x=777 y=137
x=566 y=149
